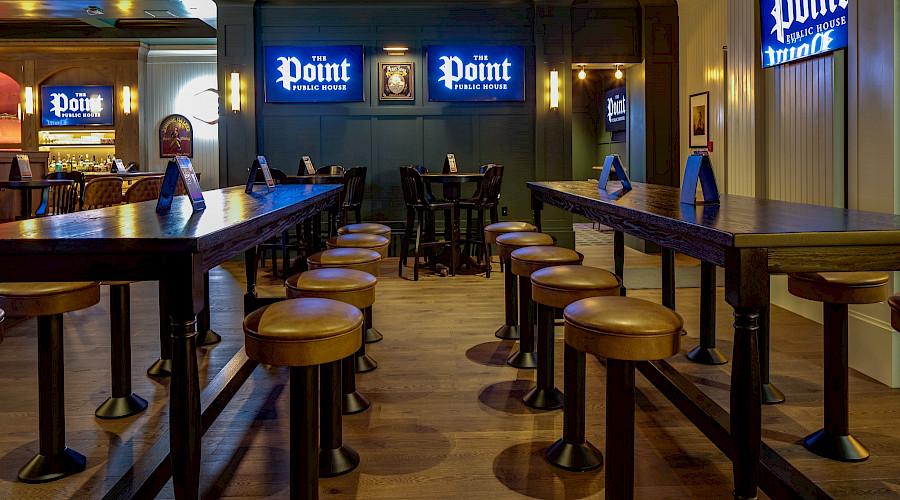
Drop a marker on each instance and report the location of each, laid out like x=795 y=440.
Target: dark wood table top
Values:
x=738 y=221
x=34 y=184
x=122 y=174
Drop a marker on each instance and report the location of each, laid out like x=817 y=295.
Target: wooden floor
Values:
x=446 y=421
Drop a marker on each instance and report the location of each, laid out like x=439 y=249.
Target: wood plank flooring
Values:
x=446 y=421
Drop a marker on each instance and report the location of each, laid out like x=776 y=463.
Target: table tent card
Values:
x=613 y=162
x=260 y=164
x=450 y=164
x=699 y=168
x=20 y=169
x=310 y=169
x=180 y=167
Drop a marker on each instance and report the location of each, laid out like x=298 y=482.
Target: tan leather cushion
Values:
x=366 y=227
x=492 y=231
x=894 y=302
x=508 y=242
x=360 y=240
x=559 y=286
x=115 y=283
x=623 y=328
x=361 y=259
x=527 y=260
x=303 y=332
x=353 y=287
x=44 y=299
x=864 y=287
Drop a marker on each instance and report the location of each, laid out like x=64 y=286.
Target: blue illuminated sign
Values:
x=616 y=109
x=65 y=106
x=330 y=73
x=476 y=73
x=797 y=29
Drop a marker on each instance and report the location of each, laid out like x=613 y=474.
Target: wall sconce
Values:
x=235 y=91
x=554 y=89
x=581 y=74
x=126 y=99
x=618 y=72
x=396 y=50
x=29 y=100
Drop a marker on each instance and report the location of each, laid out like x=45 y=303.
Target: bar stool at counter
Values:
x=366 y=228
x=48 y=301
x=835 y=291
x=360 y=240
x=122 y=403
x=623 y=330
x=361 y=259
x=307 y=335
x=492 y=231
x=514 y=240
x=350 y=286
x=555 y=288
x=523 y=262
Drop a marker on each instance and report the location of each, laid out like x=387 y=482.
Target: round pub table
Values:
x=452 y=183
x=26 y=186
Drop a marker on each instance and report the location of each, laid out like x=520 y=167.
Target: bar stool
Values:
x=361 y=259
x=893 y=301
x=836 y=291
x=506 y=243
x=122 y=403
x=353 y=287
x=623 y=330
x=523 y=262
x=366 y=228
x=554 y=288
x=308 y=335
x=48 y=301
x=496 y=229
x=360 y=240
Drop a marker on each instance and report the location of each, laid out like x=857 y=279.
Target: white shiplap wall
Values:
x=174 y=77
x=741 y=119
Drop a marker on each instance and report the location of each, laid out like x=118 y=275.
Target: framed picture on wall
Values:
x=699 y=120
x=395 y=81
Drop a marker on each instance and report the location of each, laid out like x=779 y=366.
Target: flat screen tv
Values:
x=314 y=73
x=476 y=73
x=797 y=29
x=75 y=105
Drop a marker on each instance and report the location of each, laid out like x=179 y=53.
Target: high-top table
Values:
x=750 y=238
x=26 y=186
x=134 y=243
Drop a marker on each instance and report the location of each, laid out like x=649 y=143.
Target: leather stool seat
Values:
x=559 y=286
x=360 y=240
x=303 y=332
x=527 y=260
x=894 y=302
x=508 y=242
x=367 y=228
x=117 y=283
x=864 y=287
x=353 y=287
x=492 y=231
x=47 y=298
x=360 y=259
x=623 y=328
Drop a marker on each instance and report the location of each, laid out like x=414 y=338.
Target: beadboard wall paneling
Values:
x=173 y=83
x=741 y=117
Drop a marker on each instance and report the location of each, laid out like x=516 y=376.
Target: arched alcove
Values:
x=10 y=111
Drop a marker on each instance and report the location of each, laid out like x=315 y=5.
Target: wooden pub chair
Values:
x=354 y=190
x=103 y=192
x=418 y=207
x=145 y=189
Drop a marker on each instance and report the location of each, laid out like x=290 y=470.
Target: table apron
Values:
x=834 y=258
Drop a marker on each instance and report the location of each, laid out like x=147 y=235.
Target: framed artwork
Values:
x=176 y=137
x=699 y=120
x=395 y=81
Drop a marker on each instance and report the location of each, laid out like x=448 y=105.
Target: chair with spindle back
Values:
x=78 y=178
x=330 y=170
x=354 y=190
x=144 y=190
x=418 y=205
x=103 y=192
x=277 y=243
x=487 y=197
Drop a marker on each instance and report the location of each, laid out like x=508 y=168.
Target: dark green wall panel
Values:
x=296 y=136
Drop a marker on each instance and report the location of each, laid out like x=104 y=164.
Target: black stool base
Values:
x=523 y=360
x=372 y=336
x=121 y=407
x=543 y=399
x=337 y=461
x=354 y=403
x=365 y=363
x=43 y=469
x=507 y=332
x=161 y=368
x=842 y=448
x=770 y=394
x=211 y=338
x=575 y=457
x=706 y=356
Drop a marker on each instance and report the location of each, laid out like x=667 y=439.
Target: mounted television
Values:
x=797 y=29
x=67 y=106
x=475 y=73
x=312 y=73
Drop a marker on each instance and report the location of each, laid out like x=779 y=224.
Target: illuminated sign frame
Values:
x=71 y=105
x=475 y=73
x=314 y=73
x=615 y=105
x=793 y=30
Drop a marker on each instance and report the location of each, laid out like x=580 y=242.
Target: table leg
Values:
x=619 y=258
x=668 y=278
x=163 y=366
x=707 y=353
x=205 y=335
x=26 y=203
x=770 y=394
x=250 y=269
x=747 y=290
x=536 y=207
x=454 y=238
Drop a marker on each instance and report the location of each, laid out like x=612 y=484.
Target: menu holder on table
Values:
x=260 y=163
x=699 y=168
x=613 y=162
x=20 y=169
x=180 y=167
x=118 y=166
x=308 y=164
x=450 y=164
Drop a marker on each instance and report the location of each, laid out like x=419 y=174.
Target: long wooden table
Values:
x=132 y=242
x=750 y=238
